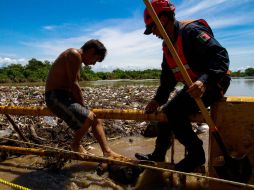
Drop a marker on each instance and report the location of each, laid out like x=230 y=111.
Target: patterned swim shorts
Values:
x=64 y=107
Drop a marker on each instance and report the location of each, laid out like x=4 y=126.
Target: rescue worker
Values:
x=207 y=63
x=64 y=98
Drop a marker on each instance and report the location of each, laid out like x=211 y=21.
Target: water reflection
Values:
x=123 y=82
x=241 y=87
x=249 y=83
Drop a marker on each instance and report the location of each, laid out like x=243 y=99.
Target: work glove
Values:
x=152 y=106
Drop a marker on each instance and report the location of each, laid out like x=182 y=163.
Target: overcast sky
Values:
x=42 y=29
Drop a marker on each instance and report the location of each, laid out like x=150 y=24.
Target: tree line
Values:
x=37 y=71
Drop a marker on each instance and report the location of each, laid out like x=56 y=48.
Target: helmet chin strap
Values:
x=171 y=34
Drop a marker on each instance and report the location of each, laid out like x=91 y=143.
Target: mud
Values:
x=30 y=171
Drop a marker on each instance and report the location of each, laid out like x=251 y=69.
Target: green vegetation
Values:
x=36 y=71
x=88 y=74
x=246 y=73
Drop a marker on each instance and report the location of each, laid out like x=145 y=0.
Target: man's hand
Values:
x=91 y=115
x=197 y=89
x=151 y=106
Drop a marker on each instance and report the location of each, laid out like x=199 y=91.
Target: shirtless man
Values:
x=63 y=95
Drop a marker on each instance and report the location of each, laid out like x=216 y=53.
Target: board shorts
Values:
x=61 y=103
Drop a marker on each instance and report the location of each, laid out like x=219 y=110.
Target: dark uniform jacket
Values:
x=205 y=56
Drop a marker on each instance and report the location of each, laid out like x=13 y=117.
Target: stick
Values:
x=85 y=157
x=16 y=128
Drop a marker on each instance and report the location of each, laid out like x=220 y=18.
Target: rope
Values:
x=13 y=185
x=145 y=166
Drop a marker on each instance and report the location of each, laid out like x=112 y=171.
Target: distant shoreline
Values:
x=104 y=82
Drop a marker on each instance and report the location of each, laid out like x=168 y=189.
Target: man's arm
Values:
x=73 y=66
x=167 y=84
x=77 y=93
x=206 y=56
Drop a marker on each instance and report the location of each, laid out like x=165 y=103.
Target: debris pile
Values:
x=53 y=131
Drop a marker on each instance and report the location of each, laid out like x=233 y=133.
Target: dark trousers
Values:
x=178 y=111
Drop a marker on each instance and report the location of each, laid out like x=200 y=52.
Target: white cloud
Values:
x=128 y=48
x=194 y=7
x=220 y=14
x=224 y=22
x=51 y=48
x=49 y=27
x=4 y=61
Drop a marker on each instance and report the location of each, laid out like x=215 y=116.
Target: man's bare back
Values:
x=66 y=66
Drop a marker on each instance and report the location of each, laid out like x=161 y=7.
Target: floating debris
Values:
x=54 y=132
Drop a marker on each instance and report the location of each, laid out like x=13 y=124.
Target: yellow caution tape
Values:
x=13 y=185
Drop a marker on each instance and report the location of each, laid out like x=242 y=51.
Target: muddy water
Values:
x=28 y=170
x=128 y=146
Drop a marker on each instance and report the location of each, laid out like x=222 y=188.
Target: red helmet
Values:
x=158 y=6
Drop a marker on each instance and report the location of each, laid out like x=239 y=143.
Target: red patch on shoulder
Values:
x=203 y=37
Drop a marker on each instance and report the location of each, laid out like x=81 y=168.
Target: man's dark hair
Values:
x=98 y=46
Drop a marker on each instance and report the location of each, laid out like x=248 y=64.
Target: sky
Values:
x=42 y=29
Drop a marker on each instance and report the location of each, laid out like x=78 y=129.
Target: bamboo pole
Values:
x=85 y=157
x=104 y=113
x=26 y=110
x=159 y=166
x=123 y=114
x=129 y=115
